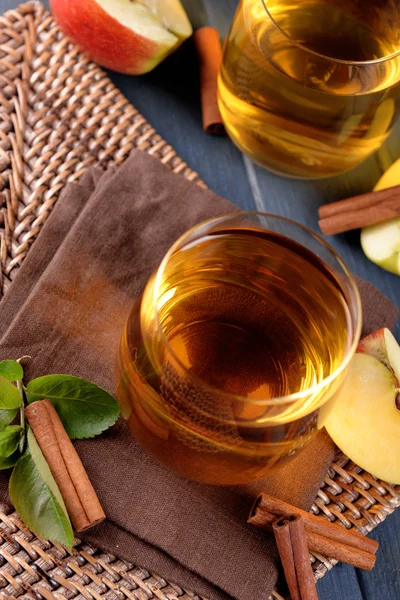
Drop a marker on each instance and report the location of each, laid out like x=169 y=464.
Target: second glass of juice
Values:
x=310 y=88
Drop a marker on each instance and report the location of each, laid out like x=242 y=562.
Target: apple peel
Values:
x=129 y=36
x=382 y=345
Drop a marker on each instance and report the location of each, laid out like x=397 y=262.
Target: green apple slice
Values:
x=365 y=421
x=381 y=242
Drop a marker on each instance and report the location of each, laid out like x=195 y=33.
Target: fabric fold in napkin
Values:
x=66 y=310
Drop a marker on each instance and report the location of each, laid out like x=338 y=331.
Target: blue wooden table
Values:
x=169 y=99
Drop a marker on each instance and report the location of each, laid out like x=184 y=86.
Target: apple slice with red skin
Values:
x=382 y=345
x=365 y=419
x=129 y=36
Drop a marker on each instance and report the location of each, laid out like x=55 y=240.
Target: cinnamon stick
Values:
x=265 y=505
x=284 y=544
x=209 y=51
x=360 y=211
x=290 y=536
x=342 y=552
x=305 y=574
x=80 y=499
x=322 y=536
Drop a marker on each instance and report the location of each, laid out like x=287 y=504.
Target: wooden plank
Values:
x=383 y=582
x=221 y=14
x=342 y=584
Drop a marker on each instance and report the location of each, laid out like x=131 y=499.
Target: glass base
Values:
x=296 y=177
x=293 y=176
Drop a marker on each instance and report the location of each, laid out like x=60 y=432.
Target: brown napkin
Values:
x=66 y=310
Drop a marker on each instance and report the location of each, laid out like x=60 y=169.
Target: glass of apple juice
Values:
x=310 y=88
x=242 y=334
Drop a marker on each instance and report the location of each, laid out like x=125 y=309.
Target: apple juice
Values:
x=244 y=316
x=301 y=89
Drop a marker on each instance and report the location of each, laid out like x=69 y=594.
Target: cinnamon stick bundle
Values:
x=290 y=537
x=209 y=51
x=322 y=536
x=80 y=499
x=360 y=211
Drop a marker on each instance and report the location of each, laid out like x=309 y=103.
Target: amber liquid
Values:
x=245 y=316
x=296 y=112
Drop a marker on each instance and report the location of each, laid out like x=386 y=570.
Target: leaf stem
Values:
x=22 y=414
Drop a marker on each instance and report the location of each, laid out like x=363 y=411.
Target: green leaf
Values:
x=9 y=395
x=35 y=495
x=10 y=461
x=10 y=439
x=11 y=370
x=44 y=469
x=6 y=417
x=10 y=401
x=85 y=409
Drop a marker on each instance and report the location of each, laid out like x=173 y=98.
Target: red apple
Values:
x=365 y=419
x=129 y=36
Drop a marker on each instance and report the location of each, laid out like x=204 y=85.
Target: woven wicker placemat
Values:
x=60 y=114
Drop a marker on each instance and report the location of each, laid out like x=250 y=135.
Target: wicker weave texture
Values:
x=59 y=115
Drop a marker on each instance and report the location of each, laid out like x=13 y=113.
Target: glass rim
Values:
x=279 y=399
x=356 y=63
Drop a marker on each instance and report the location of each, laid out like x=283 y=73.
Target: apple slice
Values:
x=382 y=345
x=172 y=16
x=129 y=36
x=365 y=419
x=381 y=244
